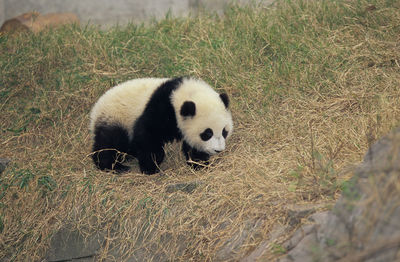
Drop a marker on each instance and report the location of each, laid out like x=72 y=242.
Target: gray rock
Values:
x=297 y=212
x=70 y=245
x=184 y=187
x=364 y=225
x=256 y=255
x=229 y=250
x=3 y=164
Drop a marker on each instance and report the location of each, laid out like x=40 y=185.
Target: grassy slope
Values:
x=312 y=84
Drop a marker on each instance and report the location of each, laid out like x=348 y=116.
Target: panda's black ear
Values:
x=225 y=99
x=188 y=109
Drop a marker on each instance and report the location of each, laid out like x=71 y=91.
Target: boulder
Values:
x=364 y=224
x=35 y=22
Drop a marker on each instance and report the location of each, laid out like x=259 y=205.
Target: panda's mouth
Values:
x=213 y=152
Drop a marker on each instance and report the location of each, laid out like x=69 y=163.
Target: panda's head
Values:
x=203 y=116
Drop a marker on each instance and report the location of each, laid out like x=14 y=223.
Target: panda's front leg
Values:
x=149 y=161
x=195 y=158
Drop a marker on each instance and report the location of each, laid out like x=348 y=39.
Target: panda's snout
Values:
x=220 y=145
x=215 y=145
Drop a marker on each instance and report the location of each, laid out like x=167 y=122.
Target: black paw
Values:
x=149 y=161
x=197 y=165
x=120 y=168
x=150 y=171
x=195 y=158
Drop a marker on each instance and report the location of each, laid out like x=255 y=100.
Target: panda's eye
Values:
x=207 y=134
x=224 y=133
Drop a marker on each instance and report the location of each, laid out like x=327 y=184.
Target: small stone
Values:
x=184 y=187
x=3 y=164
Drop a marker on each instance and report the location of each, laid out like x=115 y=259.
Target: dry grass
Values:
x=312 y=84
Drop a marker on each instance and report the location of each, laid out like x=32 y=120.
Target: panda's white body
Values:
x=124 y=103
x=139 y=116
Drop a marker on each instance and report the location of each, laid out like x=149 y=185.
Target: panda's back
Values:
x=124 y=103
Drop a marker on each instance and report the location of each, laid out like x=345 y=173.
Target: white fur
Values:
x=124 y=103
x=210 y=113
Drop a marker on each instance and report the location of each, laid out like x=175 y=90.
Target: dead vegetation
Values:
x=312 y=85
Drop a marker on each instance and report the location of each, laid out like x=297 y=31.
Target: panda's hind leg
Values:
x=149 y=161
x=111 y=142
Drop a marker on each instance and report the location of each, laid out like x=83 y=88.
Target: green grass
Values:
x=303 y=77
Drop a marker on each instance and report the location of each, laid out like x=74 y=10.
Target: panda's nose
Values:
x=221 y=145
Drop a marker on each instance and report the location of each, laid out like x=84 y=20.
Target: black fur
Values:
x=193 y=155
x=188 y=109
x=155 y=127
x=109 y=144
x=224 y=133
x=207 y=134
x=224 y=97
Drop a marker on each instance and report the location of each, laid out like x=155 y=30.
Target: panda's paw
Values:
x=148 y=168
x=198 y=165
x=150 y=172
x=120 y=168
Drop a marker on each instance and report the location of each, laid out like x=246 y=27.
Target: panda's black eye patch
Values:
x=207 y=134
x=224 y=133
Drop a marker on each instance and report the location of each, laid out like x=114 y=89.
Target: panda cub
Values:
x=139 y=116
